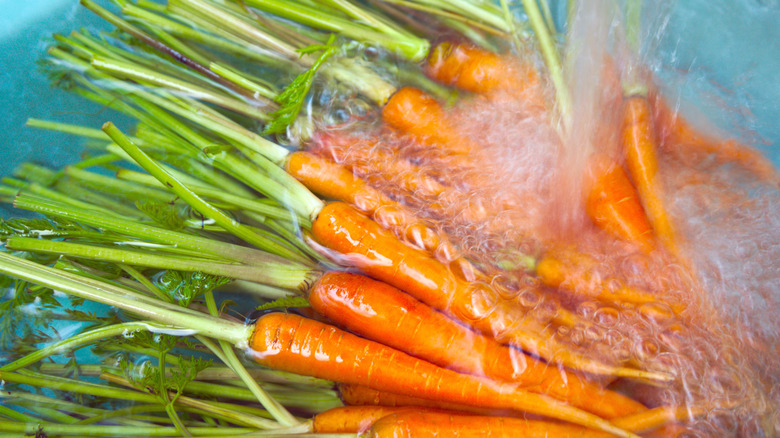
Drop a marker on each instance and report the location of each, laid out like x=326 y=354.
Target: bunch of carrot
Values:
x=454 y=290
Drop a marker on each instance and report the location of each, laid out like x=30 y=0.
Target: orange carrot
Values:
x=378 y=254
x=335 y=181
x=573 y=272
x=367 y=153
x=359 y=395
x=613 y=204
x=474 y=69
x=414 y=112
x=678 y=134
x=346 y=419
x=292 y=343
x=331 y=180
x=381 y=312
x=639 y=146
x=441 y=425
x=654 y=418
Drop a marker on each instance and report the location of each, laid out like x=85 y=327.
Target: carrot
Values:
x=414 y=112
x=441 y=425
x=367 y=153
x=572 y=271
x=378 y=254
x=381 y=312
x=639 y=146
x=654 y=418
x=613 y=204
x=678 y=134
x=335 y=181
x=360 y=395
x=474 y=69
x=345 y=419
x=292 y=343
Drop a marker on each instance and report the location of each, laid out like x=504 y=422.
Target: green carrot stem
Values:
x=77 y=341
x=236 y=77
x=633 y=85
x=67 y=128
x=551 y=58
x=177 y=239
x=183 y=31
x=215 y=194
x=363 y=16
x=183 y=192
x=54 y=415
x=179 y=46
x=483 y=11
x=269 y=403
x=446 y=15
x=413 y=48
x=362 y=78
x=14 y=415
x=77 y=387
x=139 y=277
x=280 y=276
x=77 y=192
x=127 y=70
x=238 y=25
x=26 y=399
x=156 y=45
x=97 y=160
x=120 y=413
x=72 y=202
x=228 y=413
x=51 y=429
x=16 y=267
x=113 y=185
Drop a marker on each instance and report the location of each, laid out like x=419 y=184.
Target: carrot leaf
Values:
x=285 y=302
x=293 y=97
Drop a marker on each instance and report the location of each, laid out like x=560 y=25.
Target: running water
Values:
x=713 y=321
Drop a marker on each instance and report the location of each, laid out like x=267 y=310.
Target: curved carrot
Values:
x=639 y=146
x=370 y=248
x=613 y=204
x=292 y=343
x=442 y=425
x=474 y=69
x=677 y=133
x=382 y=313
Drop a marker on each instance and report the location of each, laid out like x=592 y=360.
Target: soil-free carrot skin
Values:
x=295 y=344
x=676 y=133
x=573 y=271
x=334 y=181
x=439 y=425
x=639 y=146
x=376 y=252
x=382 y=313
x=365 y=153
x=351 y=419
x=419 y=114
x=613 y=204
x=654 y=418
x=474 y=69
x=360 y=395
